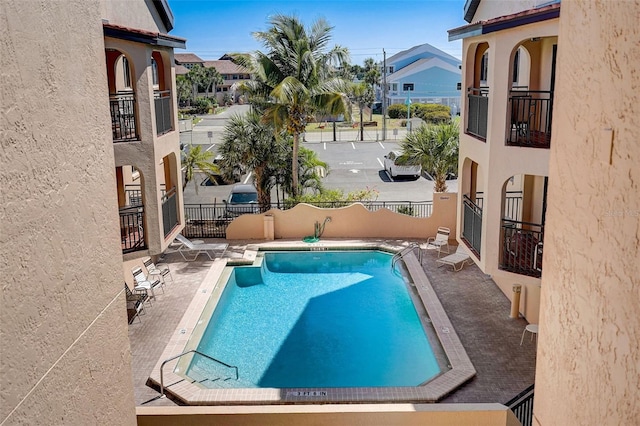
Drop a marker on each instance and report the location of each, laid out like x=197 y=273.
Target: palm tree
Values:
x=436 y=148
x=197 y=160
x=372 y=78
x=362 y=94
x=251 y=144
x=295 y=77
x=211 y=78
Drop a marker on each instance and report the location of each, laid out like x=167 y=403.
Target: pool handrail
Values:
x=185 y=353
x=404 y=251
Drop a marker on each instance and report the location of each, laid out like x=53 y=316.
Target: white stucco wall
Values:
x=588 y=364
x=64 y=349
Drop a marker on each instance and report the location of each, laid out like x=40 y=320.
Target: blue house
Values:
x=423 y=74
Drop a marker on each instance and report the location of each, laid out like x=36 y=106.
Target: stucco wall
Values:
x=588 y=363
x=488 y=9
x=64 y=349
x=354 y=221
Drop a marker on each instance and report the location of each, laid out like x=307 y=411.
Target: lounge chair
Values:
x=135 y=303
x=440 y=241
x=188 y=246
x=160 y=270
x=142 y=282
x=457 y=259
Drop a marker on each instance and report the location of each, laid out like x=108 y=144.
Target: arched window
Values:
x=126 y=73
x=154 y=71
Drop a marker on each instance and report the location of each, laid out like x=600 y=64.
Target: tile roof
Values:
x=142 y=36
x=187 y=58
x=226 y=67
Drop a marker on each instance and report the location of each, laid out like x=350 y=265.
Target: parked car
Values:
x=243 y=199
x=394 y=169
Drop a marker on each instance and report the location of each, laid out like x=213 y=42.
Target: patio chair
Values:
x=188 y=246
x=160 y=270
x=441 y=241
x=457 y=259
x=142 y=282
x=135 y=303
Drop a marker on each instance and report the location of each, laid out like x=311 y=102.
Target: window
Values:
x=235 y=77
x=407 y=87
x=391 y=69
x=126 y=73
x=154 y=71
x=394 y=87
x=484 y=67
x=516 y=64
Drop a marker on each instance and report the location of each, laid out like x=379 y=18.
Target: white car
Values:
x=400 y=169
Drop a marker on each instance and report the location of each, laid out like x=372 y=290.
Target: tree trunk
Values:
x=334 y=129
x=361 y=126
x=294 y=165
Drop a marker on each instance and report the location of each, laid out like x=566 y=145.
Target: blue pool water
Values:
x=316 y=319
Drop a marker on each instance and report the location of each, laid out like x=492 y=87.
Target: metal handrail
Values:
x=184 y=353
x=399 y=255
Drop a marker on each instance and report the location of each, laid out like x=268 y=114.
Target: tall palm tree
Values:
x=436 y=148
x=295 y=77
x=251 y=144
x=372 y=78
x=196 y=160
x=362 y=95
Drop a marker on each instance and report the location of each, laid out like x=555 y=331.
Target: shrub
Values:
x=201 y=106
x=397 y=111
x=405 y=210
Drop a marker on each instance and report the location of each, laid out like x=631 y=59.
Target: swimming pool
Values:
x=315 y=319
x=456 y=367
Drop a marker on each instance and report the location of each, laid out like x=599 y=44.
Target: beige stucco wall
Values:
x=132 y=14
x=588 y=363
x=488 y=9
x=335 y=415
x=64 y=349
x=354 y=221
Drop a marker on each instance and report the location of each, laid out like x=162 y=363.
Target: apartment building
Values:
x=508 y=74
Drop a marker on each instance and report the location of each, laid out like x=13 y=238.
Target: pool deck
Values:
x=477 y=309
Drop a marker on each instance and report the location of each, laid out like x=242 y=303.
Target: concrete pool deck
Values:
x=477 y=309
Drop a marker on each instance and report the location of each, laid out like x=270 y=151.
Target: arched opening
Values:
x=131 y=208
x=122 y=98
x=478 y=94
x=524 y=199
x=473 y=198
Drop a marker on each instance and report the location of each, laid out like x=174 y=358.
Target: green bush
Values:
x=431 y=113
x=397 y=111
x=336 y=197
x=405 y=210
x=201 y=106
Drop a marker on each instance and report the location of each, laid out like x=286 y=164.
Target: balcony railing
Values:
x=162 y=100
x=132 y=229
x=472 y=224
x=169 y=211
x=512 y=203
x=478 y=100
x=522 y=247
x=123 y=116
x=530 y=114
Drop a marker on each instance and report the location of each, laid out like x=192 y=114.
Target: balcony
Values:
x=472 y=224
x=478 y=100
x=169 y=211
x=123 y=116
x=522 y=247
x=132 y=229
x=162 y=100
x=530 y=114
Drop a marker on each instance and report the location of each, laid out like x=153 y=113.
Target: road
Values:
x=353 y=165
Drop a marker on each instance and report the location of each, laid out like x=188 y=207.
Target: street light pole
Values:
x=408 y=104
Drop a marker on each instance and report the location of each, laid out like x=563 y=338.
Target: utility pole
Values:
x=384 y=95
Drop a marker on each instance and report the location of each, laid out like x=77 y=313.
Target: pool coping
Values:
x=189 y=393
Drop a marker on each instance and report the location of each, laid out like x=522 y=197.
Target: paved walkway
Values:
x=476 y=307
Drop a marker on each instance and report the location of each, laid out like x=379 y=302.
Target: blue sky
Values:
x=213 y=28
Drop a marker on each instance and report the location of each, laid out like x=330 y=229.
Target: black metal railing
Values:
x=522 y=247
x=169 y=211
x=132 y=229
x=133 y=195
x=530 y=113
x=522 y=406
x=162 y=100
x=512 y=204
x=212 y=220
x=123 y=116
x=472 y=224
x=478 y=100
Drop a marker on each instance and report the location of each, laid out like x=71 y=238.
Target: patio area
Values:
x=476 y=307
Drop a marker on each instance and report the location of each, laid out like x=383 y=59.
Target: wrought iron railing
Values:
x=169 y=211
x=211 y=220
x=472 y=224
x=132 y=229
x=162 y=100
x=522 y=406
x=530 y=113
x=522 y=244
x=478 y=112
x=133 y=195
x=512 y=204
x=123 y=116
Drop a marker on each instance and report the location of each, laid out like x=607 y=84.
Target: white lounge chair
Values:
x=142 y=282
x=457 y=259
x=160 y=270
x=188 y=246
x=440 y=241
